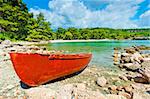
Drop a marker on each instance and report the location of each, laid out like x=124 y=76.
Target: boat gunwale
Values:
x=59 y=56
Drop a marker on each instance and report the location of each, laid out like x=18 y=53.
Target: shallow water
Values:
x=102 y=50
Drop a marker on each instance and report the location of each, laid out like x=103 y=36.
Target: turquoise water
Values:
x=102 y=50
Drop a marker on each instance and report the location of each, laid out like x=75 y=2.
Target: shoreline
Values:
x=70 y=41
x=64 y=41
x=90 y=40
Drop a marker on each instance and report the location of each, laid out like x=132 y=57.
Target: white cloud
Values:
x=144 y=20
x=74 y=13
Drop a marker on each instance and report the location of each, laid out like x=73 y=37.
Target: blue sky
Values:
x=93 y=13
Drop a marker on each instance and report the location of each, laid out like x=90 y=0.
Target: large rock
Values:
x=130 y=50
x=139 y=79
x=136 y=57
x=125 y=59
x=6 y=42
x=145 y=74
x=126 y=65
x=131 y=66
x=101 y=81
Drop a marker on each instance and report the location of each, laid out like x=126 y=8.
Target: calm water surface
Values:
x=102 y=50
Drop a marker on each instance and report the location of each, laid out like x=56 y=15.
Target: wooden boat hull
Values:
x=36 y=69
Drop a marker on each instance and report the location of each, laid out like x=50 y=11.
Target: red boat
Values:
x=36 y=69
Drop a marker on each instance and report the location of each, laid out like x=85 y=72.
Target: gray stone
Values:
x=136 y=57
x=125 y=54
x=6 y=42
x=125 y=59
x=145 y=74
x=140 y=79
x=131 y=66
x=101 y=81
x=130 y=50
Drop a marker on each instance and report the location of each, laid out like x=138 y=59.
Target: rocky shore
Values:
x=94 y=82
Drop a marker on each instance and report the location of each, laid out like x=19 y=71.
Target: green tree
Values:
x=39 y=29
x=60 y=33
x=68 y=36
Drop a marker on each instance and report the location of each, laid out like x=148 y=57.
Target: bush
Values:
x=8 y=36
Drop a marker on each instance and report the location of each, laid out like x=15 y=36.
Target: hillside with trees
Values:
x=16 y=23
x=101 y=33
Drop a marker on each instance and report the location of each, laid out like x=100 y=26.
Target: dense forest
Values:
x=16 y=23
